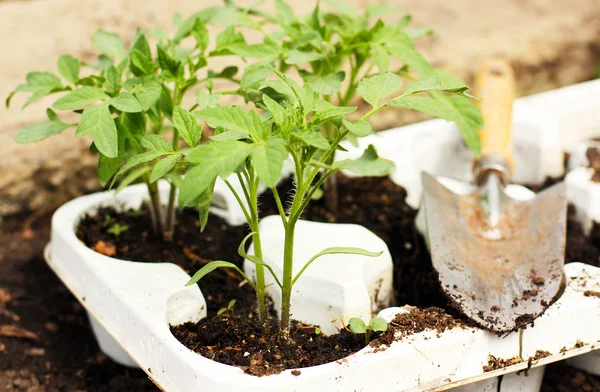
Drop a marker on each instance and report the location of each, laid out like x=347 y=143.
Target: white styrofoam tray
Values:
x=133 y=303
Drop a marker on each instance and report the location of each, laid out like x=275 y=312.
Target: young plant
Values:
x=335 y=50
x=227 y=310
x=358 y=326
x=130 y=98
x=254 y=146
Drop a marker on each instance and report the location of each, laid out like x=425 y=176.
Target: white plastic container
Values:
x=133 y=303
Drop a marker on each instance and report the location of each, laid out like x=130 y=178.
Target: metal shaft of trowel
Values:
x=492 y=176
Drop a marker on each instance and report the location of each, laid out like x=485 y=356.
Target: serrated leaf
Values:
x=411 y=57
x=108 y=43
x=369 y=164
x=133 y=176
x=359 y=128
x=148 y=93
x=212 y=159
x=279 y=114
x=97 y=121
x=69 y=66
x=377 y=87
x=267 y=159
x=201 y=35
x=136 y=160
x=296 y=57
x=255 y=51
x=324 y=84
x=207 y=101
x=433 y=83
x=39 y=131
x=233 y=118
x=157 y=143
x=162 y=167
x=166 y=62
x=126 y=102
x=381 y=58
x=314 y=139
x=357 y=325
x=79 y=98
x=254 y=75
x=112 y=81
x=187 y=125
x=443 y=108
x=140 y=64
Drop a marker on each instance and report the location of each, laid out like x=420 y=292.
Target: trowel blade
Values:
x=501 y=281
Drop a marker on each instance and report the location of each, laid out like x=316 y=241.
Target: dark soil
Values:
x=235 y=340
x=65 y=356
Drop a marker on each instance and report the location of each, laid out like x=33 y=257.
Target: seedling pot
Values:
x=131 y=304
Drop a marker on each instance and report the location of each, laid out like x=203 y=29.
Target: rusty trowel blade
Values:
x=501 y=284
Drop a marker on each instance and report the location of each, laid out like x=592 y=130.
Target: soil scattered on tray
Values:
x=241 y=342
x=416 y=321
x=593 y=157
x=591 y=293
x=500 y=363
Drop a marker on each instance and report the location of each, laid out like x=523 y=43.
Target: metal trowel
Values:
x=500 y=261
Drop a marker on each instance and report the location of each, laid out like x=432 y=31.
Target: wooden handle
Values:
x=495 y=85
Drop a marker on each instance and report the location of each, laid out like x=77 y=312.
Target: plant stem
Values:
x=170 y=221
x=155 y=207
x=288 y=269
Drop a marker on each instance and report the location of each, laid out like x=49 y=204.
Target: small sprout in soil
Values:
x=117 y=229
x=357 y=326
x=107 y=220
x=318 y=331
x=227 y=310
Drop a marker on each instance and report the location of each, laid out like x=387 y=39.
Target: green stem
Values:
x=155 y=207
x=288 y=269
x=170 y=221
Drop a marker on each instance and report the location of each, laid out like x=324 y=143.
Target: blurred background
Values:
x=550 y=44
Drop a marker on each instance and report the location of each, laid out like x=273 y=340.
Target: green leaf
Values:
x=359 y=128
x=140 y=64
x=254 y=75
x=378 y=324
x=369 y=164
x=335 y=250
x=233 y=118
x=133 y=176
x=126 y=102
x=39 y=84
x=200 y=33
x=229 y=135
x=357 y=326
x=324 y=84
x=279 y=114
x=268 y=158
x=148 y=93
x=433 y=83
x=141 y=44
x=109 y=43
x=79 y=98
x=213 y=265
x=381 y=58
x=189 y=129
x=39 y=131
x=107 y=167
x=157 y=143
x=134 y=161
x=256 y=51
x=314 y=139
x=203 y=205
x=326 y=111
x=444 y=108
x=166 y=62
x=285 y=13
x=296 y=57
x=97 y=121
x=69 y=66
x=112 y=84
x=377 y=87
x=212 y=159
x=162 y=167
x=411 y=57
x=207 y=101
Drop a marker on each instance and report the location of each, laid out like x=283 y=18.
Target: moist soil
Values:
x=63 y=356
